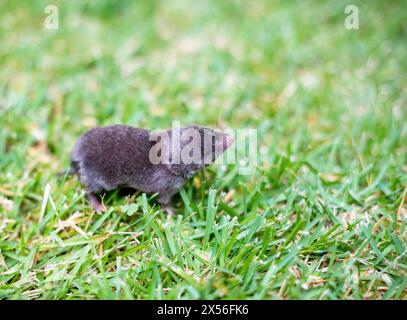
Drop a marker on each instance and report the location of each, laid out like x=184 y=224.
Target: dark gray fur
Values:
x=118 y=156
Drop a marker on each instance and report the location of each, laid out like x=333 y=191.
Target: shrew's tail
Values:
x=71 y=171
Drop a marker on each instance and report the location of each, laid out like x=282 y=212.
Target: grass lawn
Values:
x=324 y=216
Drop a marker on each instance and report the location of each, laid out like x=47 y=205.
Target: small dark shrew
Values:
x=119 y=156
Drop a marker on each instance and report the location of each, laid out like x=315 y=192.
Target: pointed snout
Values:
x=227 y=141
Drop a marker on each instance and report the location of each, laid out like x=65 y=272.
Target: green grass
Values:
x=323 y=217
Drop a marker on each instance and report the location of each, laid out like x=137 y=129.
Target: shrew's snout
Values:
x=227 y=141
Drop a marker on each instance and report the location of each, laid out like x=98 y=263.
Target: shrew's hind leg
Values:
x=91 y=188
x=96 y=204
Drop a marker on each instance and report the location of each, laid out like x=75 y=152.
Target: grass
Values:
x=323 y=217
